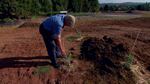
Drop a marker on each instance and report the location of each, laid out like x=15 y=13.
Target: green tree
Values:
x=45 y=5
x=36 y=6
x=72 y=5
x=26 y=8
x=7 y=9
x=139 y=7
x=59 y=5
x=23 y=8
x=86 y=6
x=94 y=5
x=106 y=7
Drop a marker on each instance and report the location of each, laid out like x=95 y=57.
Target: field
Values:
x=24 y=60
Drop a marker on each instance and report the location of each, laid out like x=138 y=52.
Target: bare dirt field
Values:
x=23 y=54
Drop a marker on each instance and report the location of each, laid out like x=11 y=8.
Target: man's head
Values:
x=69 y=21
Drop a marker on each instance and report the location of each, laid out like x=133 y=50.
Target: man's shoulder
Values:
x=55 y=21
x=59 y=19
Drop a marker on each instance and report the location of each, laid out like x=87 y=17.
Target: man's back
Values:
x=56 y=21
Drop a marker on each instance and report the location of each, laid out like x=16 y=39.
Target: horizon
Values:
x=123 y=1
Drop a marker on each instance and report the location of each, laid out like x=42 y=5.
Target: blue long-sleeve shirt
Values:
x=54 y=24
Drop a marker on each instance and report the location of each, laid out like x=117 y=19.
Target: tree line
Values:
x=125 y=7
x=25 y=8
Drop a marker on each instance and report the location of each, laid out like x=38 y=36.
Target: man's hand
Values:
x=63 y=53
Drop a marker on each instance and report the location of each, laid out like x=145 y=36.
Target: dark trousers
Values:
x=52 y=49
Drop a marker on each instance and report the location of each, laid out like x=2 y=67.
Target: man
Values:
x=51 y=30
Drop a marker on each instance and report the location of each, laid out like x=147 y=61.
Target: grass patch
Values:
x=69 y=58
x=129 y=61
x=68 y=66
x=76 y=37
x=82 y=14
x=72 y=38
x=68 y=61
x=146 y=15
x=42 y=70
x=34 y=17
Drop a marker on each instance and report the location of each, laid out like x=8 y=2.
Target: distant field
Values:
x=119 y=15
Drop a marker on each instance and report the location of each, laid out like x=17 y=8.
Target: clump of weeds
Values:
x=129 y=61
x=42 y=70
x=77 y=37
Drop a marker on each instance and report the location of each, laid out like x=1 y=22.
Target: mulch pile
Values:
x=109 y=57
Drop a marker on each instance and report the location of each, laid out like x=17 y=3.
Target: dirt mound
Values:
x=148 y=68
x=109 y=58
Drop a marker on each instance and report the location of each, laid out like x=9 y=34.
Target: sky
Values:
x=120 y=1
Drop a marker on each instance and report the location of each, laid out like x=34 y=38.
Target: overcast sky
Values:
x=120 y=1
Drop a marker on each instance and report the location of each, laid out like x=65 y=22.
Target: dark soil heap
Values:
x=109 y=57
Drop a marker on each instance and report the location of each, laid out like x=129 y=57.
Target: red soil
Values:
x=22 y=50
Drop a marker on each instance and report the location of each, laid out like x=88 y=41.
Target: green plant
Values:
x=129 y=61
x=75 y=37
x=69 y=58
x=130 y=57
x=42 y=70
x=72 y=38
x=79 y=34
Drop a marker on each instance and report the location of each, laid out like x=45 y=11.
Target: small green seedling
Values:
x=42 y=70
x=129 y=61
x=130 y=57
x=69 y=59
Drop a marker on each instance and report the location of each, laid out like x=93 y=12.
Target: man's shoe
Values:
x=61 y=56
x=56 y=66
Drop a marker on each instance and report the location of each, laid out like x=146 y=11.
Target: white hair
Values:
x=70 y=20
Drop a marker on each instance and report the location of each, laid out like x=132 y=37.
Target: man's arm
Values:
x=58 y=42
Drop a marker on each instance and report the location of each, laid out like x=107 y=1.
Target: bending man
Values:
x=50 y=30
